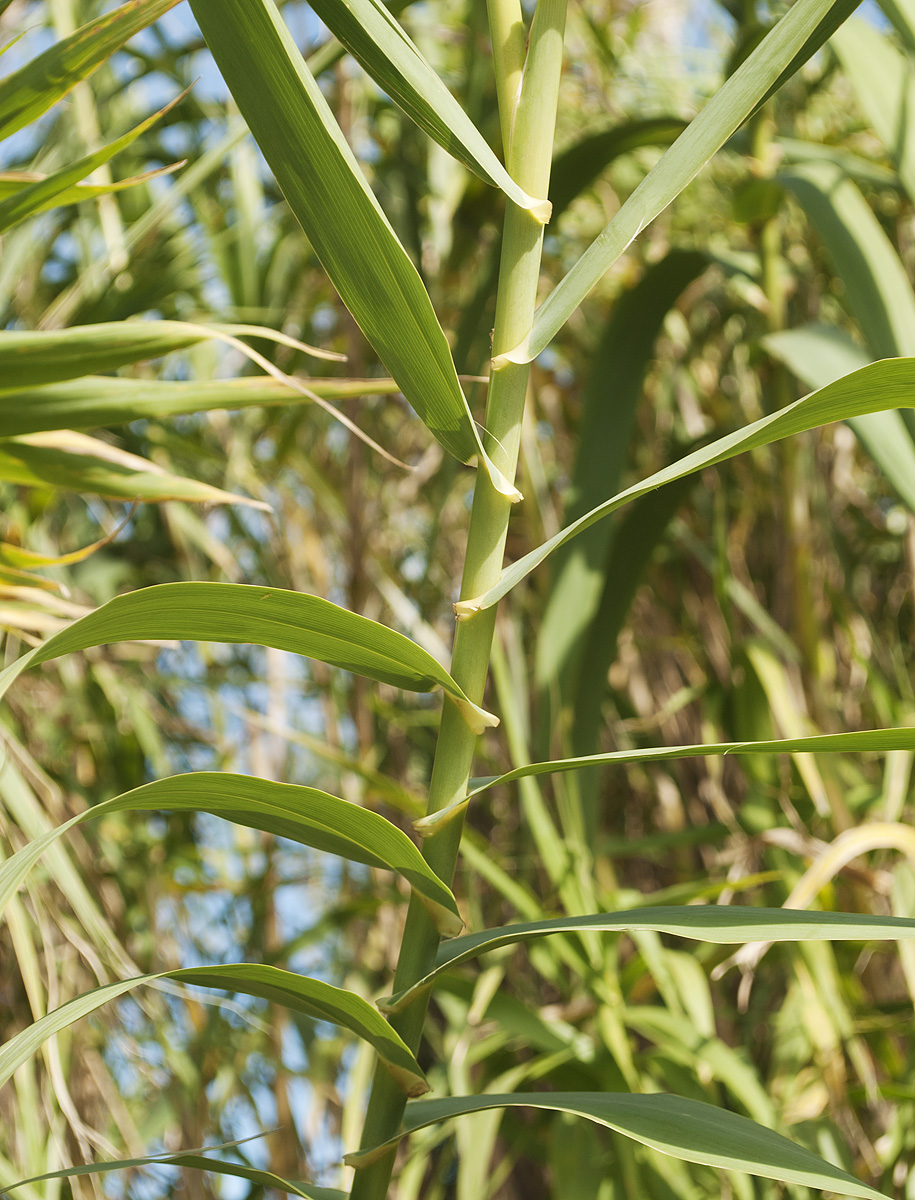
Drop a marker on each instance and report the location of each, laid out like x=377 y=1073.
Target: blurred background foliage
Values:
x=773 y=597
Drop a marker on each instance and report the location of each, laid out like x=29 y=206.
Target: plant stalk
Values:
x=528 y=159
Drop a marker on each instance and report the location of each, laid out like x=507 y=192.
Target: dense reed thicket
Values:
x=456 y=561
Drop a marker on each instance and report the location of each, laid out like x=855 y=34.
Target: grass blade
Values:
x=31 y=90
x=375 y=39
x=312 y=997
x=794 y=34
x=301 y=814
x=326 y=190
x=190 y=1161
x=877 y=288
x=77 y=463
x=239 y=613
x=818 y=354
x=884 y=83
x=883 y=385
x=878 y=741
x=99 y=400
x=685 y=1129
x=720 y=924
x=41 y=195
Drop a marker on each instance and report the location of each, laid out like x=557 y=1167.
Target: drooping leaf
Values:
x=866 y=741
x=326 y=190
x=105 y=400
x=302 y=814
x=30 y=359
x=794 y=36
x=242 y=613
x=687 y=1129
x=77 y=463
x=721 y=924
x=31 y=90
x=375 y=39
x=883 y=385
x=299 y=993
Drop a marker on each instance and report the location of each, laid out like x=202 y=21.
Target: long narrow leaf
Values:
x=867 y=741
x=76 y=463
x=795 y=35
x=882 y=385
x=30 y=359
x=374 y=38
x=31 y=90
x=326 y=190
x=240 y=613
x=877 y=289
x=39 y=196
x=302 y=814
x=312 y=997
x=721 y=924
x=687 y=1129
x=884 y=81
x=104 y=400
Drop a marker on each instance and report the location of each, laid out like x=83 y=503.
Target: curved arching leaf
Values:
x=30 y=358
x=883 y=385
x=818 y=354
x=299 y=993
x=243 y=613
x=687 y=1129
x=42 y=194
x=721 y=924
x=302 y=814
x=877 y=289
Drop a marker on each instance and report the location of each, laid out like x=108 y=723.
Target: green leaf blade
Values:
x=35 y=87
x=326 y=190
x=686 y=1129
x=311 y=997
x=375 y=39
x=883 y=385
x=241 y=613
x=719 y=924
x=302 y=814
x=795 y=35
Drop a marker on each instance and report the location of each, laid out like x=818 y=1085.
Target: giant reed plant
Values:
x=45 y=387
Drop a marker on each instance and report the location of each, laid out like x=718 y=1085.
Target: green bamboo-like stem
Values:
x=528 y=159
